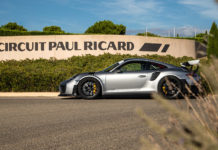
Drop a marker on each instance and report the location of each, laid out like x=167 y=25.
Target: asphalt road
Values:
x=72 y=124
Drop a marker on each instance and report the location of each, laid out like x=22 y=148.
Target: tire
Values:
x=89 y=88
x=170 y=92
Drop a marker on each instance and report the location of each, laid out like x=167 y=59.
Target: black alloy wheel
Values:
x=89 y=88
x=170 y=87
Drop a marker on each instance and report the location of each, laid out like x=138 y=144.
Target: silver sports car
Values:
x=132 y=76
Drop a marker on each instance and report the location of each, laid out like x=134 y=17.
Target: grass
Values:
x=195 y=128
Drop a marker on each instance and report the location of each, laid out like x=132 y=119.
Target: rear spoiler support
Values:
x=190 y=64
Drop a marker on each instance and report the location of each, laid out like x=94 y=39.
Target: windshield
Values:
x=108 y=69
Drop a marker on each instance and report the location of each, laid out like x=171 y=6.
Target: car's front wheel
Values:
x=170 y=87
x=89 y=88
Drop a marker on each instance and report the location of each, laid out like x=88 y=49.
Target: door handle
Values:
x=142 y=76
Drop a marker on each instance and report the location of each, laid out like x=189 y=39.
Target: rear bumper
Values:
x=193 y=87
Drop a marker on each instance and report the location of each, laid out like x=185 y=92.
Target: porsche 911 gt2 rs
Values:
x=132 y=76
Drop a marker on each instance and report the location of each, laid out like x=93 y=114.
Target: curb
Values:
x=29 y=94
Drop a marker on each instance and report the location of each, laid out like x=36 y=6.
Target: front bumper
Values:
x=62 y=88
x=68 y=88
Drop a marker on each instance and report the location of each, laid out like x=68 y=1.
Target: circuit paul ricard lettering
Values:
x=68 y=46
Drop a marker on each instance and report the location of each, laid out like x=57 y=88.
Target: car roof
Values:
x=148 y=60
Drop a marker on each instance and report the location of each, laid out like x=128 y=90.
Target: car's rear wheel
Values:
x=170 y=87
x=89 y=88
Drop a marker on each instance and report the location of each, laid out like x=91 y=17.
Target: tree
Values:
x=206 y=32
x=212 y=41
x=13 y=26
x=216 y=42
x=106 y=27
x=53 y=29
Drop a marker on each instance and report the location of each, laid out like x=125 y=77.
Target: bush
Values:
x=13 y=26
x=148 y=34
x=4 y=32
x=52 y=29
x=106 y=27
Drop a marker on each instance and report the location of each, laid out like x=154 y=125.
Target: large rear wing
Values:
x=189 y=65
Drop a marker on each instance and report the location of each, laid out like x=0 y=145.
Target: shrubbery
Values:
x=13 y=26
x=45 y=75
x=4 y=32
x=148 y=34
x=13 y=29
x=106 y=27
x=53 y=29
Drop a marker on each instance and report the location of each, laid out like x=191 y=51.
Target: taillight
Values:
x=189 y=74
x=192 y=75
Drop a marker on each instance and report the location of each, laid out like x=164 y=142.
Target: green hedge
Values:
x=17 y=33
x=4 y=32
x=45 y=75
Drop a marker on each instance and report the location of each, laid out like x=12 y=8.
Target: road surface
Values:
x=72 y=124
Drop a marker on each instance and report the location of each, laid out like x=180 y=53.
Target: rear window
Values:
x=155 y=66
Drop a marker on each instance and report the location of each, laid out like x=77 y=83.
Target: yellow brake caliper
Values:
x=94 y=88
x=164 y=90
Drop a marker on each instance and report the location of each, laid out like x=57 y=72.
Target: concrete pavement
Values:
x=29 y=94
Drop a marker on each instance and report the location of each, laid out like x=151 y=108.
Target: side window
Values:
x=131 y=67
x=155 y=66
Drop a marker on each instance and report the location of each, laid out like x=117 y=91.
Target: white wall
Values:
x=20 y=47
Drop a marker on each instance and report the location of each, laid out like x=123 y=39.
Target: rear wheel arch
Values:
x=170 y=77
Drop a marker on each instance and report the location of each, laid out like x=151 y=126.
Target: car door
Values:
x=130 y=77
